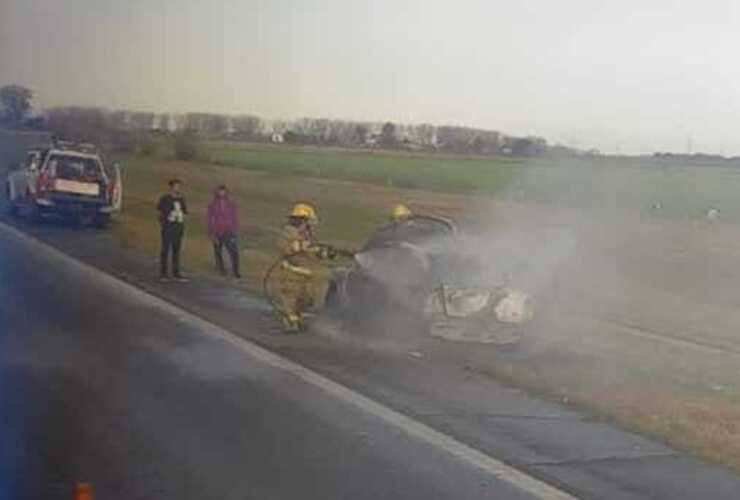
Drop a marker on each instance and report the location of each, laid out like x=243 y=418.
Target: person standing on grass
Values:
x=223 y=228
x=172 y=211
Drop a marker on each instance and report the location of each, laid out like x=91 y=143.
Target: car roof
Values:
x=416 y=230
x=75 y=154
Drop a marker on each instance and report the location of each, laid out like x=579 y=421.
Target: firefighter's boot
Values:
x=292 y=323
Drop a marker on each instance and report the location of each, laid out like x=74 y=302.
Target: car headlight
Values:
x=514 y=308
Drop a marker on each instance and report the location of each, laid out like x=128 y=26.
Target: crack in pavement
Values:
x=607 y=459
x=513 y=416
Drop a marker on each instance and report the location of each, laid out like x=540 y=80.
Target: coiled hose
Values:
x=276 y=264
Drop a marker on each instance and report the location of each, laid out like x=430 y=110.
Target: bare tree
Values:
x=246 y=126
x=78 y=123
x=179 y=122
x=217 y=125
x=16 y=102
x=361 y=134
x=425 y=134
x=119 y=120
x=164 y=122
x=142 y=120
x=388 y=135
x=207 y=124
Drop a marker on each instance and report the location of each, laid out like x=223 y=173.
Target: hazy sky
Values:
x=628 y=75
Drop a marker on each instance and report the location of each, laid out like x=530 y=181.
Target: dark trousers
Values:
x=229 y=241
x=171 y=242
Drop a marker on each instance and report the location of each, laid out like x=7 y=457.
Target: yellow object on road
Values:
x=400 y=212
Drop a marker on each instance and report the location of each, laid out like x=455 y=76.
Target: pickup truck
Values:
x=68 y=181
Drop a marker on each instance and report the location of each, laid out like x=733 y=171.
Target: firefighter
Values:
x=400 y=226
x=300 y=276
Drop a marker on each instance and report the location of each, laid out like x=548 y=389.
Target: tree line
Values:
x=127 y=130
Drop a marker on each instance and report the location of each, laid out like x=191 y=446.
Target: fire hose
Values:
x=332 y=253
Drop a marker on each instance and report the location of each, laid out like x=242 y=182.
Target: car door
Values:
x=28 y=178
x=18 y=181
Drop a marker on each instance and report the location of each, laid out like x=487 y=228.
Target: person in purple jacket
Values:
x=223 y=228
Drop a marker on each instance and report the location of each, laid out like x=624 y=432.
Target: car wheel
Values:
x=84 y=220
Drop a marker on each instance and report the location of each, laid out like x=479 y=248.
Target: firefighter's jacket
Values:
x=300 y=252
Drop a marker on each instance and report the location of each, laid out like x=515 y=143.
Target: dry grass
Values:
x=638 y=386
x=349 y=211
x=703 y=423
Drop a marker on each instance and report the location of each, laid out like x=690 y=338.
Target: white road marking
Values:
x=411 y=427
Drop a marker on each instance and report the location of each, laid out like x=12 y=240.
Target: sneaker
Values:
x=164 y=278
x=181 y=278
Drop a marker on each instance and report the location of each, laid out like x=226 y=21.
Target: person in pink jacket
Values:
x=223 y=228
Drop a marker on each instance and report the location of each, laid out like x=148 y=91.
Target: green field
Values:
x=621 y=185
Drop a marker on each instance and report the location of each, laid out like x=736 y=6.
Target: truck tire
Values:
x=101 y=221
x=34 y=214
x=84 y=220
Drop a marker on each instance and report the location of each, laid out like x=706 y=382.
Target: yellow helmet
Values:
x=304 y=210
x=400 y=212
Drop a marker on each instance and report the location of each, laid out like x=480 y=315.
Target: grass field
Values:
x=349 y=212
x=619 y=379
x=596 y=183
x=354 y=190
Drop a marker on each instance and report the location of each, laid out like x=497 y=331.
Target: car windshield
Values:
x=75 y=168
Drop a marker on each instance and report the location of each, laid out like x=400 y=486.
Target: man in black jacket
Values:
x=172 y=211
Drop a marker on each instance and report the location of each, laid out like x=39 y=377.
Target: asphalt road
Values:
x=101 y=387
x=98 y=385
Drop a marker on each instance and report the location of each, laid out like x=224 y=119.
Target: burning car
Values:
x=68 y=180
x=418 y=269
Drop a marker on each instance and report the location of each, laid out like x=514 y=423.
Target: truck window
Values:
x=75 y=168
